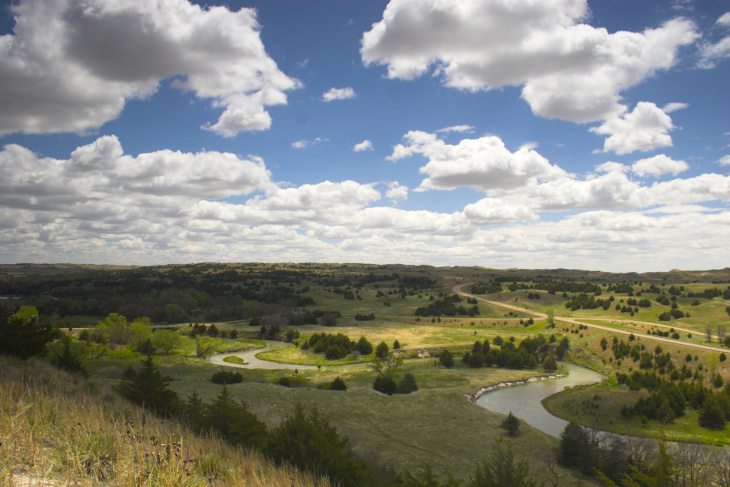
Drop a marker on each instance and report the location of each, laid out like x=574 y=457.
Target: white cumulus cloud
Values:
x=646 y=128
x=365 y=145
x=567 y=69
x=457 y=128
x=658 y=166
x=338 y=94
x=709 y=52
x=300 y=144
x=396 y=192
x=483 y=163
x=71 y=65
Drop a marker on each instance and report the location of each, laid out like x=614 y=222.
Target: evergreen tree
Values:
x=396 y=345
x=338 y=384
x=407 y=385
x=382 y=350
x=147 y=387
x=364 y=346
x=194 y=412
x=69 y=359
x=21 y=335
x=386 y=385
x=446 y=359
x=501 y=470
x=308 y=441
x=712 y=416
x=234 y=422
x=549 y=364
x=511 y=424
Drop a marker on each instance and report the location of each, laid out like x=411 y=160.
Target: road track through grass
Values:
x=458 y=287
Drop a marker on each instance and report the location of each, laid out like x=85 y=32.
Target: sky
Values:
x=506 y=134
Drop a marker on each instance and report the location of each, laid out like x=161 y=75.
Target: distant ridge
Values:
x=474 y=272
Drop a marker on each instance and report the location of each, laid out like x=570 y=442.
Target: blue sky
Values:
x=524 y=134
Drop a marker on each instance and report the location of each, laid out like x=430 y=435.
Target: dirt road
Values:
x=457 y=290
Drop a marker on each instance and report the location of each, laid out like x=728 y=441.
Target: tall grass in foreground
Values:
x=55 y=430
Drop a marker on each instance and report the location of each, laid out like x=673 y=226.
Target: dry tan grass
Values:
x=57 y=431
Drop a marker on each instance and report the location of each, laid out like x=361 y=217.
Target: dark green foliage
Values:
x=145 y=347
x=364 y=317
x=382 y=350
x=329 y=319
x=447 y=359
x=193 y=412
x=308 y=441
x=23 y=336
x=284 y=381
x=511 y=424
x=333 y=346
x=335 y=352
x=147 y=387
x=562 y=348
x=290 y=336
x=426 y=478
x=485 y=288
x=364 y=346
x=69 y=359
x=234 y=422
x=578 y=449
x=338 y=384
x=407 y=385
x=396 y=345
x=447 y=307
x=386 y=385
x=711 y=416
x=226 y=377
x=549 y=364
x=586 y=301
x=501 y=470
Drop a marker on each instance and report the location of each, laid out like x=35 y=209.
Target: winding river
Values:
x=252 y=362
x=525 y=401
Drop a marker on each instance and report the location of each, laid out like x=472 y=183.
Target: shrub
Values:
x=407 y=385
x=382 y=350
x=226 y=377
x=364 y=346
x=284 y=381
x=307 y=441
x=511 y=424
x=338 y=384
x=446 y=359
x=385 y=385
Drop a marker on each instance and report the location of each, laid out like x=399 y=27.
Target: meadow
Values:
x=438 y=425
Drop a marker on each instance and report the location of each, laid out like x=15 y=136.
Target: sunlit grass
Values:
x=56 y=430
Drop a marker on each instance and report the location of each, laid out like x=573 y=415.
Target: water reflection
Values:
x=525 y=400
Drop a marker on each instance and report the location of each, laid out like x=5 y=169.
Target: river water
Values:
x=525 y=401
x=253 y=362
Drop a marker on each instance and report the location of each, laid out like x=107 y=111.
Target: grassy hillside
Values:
x=56 y=429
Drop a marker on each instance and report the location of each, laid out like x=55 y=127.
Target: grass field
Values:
x=438 y=424
x=599 y=406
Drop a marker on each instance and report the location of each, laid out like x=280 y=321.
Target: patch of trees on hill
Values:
x=485 y=288
x=447 y=307
x=336 y=346
x=529 y=353
x=671 y=397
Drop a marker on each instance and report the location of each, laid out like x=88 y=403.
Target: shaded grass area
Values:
x=599 y=406
x=437 y=425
